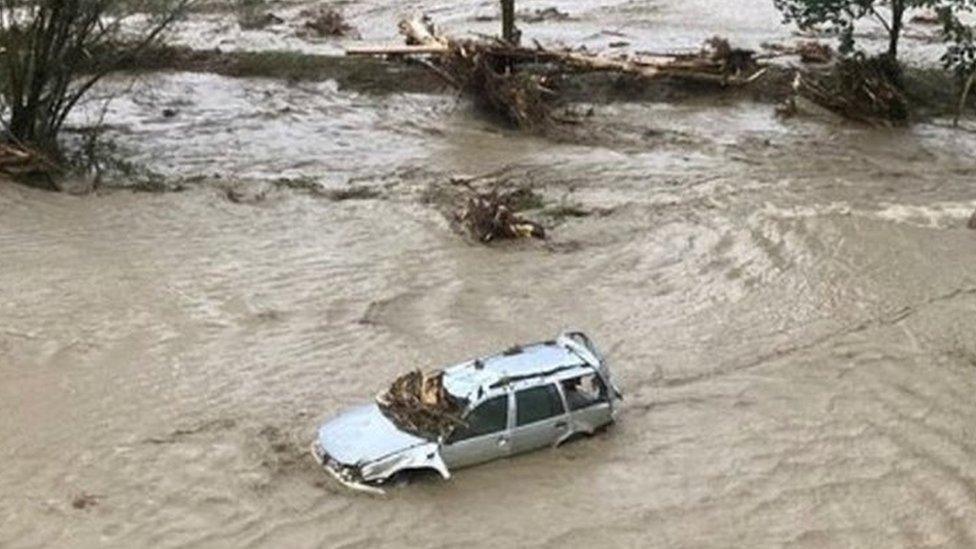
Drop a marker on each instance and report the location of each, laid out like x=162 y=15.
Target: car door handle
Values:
x=560 y=425
x=502 y=441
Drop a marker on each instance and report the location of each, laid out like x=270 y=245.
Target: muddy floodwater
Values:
x=789 y=307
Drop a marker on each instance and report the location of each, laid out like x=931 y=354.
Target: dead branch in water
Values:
x=491 y=216
x=522 y=97
x=19 y=161
x=864 y=90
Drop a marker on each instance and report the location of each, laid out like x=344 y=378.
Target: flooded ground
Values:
x=788 y=305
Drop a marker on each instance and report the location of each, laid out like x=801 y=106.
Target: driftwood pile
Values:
x=514 y=81
x=492 y=216
x=521 y=97
x=418 y=403
x=864 y=90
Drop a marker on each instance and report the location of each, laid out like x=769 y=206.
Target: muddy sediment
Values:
x=366 y=75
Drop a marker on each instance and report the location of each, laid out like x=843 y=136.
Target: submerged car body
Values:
x=523 y=399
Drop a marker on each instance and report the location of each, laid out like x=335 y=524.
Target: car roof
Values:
x=517 y=363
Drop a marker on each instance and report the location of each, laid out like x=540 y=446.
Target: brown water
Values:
x=789 y=307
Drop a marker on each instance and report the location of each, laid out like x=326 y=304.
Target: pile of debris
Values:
x=513 y=80
x=523 y=98
x=484 y=70
x=419 y=404
x=20 y=161
x=492 y=216
x=865 y=90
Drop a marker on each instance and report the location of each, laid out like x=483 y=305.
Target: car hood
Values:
x=363 y=434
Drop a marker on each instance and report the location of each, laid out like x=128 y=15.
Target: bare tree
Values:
x=52 y=52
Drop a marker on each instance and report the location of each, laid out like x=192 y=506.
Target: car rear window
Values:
x=537 y=404
x=584 y=391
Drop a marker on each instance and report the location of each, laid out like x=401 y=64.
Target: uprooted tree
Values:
x=55 y=51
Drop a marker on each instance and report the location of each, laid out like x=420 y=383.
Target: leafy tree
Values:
x=960 y=54
x=841 y=16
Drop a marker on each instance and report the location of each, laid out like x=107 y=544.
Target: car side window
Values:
x=537 y=404
x=491 y=416
x=584 y=391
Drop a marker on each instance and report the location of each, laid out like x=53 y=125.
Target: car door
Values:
x=540 y=418
x=484 y=437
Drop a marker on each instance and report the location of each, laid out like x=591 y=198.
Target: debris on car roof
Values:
x=418 y=403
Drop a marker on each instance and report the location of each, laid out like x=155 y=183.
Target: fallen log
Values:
x=659 y=65
x=398 y=50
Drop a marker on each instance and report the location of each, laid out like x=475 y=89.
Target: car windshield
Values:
x=417 y=403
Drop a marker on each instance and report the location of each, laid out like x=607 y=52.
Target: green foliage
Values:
x=841 y=16
x=960 y=54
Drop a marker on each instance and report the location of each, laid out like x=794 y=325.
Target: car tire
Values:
x=399 y=479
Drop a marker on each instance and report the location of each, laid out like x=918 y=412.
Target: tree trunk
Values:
x=508 y=21
x=897 y=17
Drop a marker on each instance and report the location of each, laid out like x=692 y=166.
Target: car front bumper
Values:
x=341 y=473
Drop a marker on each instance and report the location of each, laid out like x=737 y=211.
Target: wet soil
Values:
x=362 y=74
x=788 y=306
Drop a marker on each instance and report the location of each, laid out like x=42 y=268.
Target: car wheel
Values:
x=399 y=479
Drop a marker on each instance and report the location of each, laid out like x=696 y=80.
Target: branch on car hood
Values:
x=418 y=403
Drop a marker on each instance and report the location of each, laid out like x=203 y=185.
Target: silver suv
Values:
x=523 y=399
